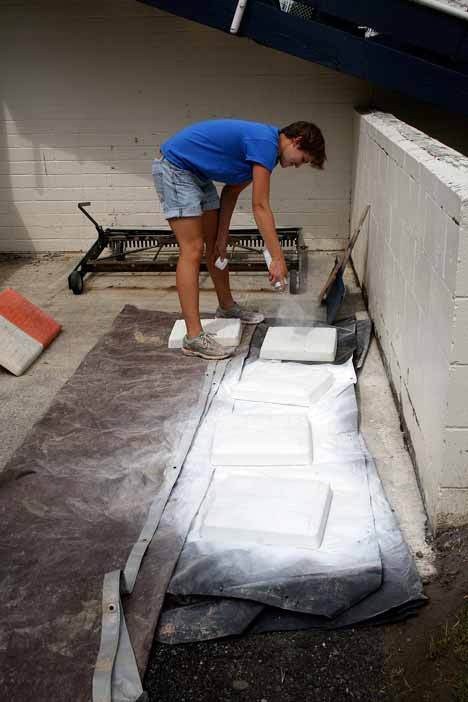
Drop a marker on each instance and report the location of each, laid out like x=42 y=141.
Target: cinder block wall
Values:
x=412 y=258
x=94 y=86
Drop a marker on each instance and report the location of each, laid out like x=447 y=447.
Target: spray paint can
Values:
x=279 y=286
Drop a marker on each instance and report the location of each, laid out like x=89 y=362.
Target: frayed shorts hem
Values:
x=190 y=211
x=182 y=193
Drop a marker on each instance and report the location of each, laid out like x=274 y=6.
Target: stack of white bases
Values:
x=262 y=491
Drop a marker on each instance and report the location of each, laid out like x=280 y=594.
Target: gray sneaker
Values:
x=238 y=312
x=205 y=346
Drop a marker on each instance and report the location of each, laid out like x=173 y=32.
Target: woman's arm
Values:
x=229 y=196
x=266 y=222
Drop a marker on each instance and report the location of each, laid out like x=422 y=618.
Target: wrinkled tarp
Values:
x=385 y=587
x=92 y=466
x=400 y=595
x=326 y=581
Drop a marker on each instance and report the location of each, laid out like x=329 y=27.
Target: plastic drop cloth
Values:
x=346 y=567
x=399 y=596
x=351 y=337
x=363 y=568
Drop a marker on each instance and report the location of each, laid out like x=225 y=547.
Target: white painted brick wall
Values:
x=94 y=86
x=412 y=257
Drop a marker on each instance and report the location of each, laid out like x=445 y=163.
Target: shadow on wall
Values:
x=93 y=90
x=16 y=173
x=360 y=254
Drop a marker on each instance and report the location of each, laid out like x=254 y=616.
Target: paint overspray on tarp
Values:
x=340 y=585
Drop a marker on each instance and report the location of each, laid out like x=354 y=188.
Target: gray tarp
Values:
x=100 y=455
x=399 y=595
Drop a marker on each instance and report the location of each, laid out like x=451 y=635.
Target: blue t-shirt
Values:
x=223 y=149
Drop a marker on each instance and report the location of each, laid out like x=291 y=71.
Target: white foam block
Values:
x=290 y=384
x=268 y=510
x=228 y=331
x=262 y=440
x=300 y=344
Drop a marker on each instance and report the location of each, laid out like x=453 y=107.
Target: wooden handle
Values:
x=349 y=249
x=341 y=264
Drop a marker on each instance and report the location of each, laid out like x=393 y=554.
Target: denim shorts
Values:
x=182 y=193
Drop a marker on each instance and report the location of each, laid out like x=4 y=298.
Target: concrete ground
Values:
x=280 y=666
x=43 y=280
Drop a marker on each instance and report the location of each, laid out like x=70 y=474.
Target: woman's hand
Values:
x=278 y=271
x=221 y=247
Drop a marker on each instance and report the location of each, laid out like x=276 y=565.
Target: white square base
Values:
x=282 y=383
x=272 y=511
x=262 y=440
x=300 y=344
x=228 y=332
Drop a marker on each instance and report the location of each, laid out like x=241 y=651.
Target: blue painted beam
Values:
x=338 y=49
x=368 y=59
x=416 y=25
x=213 y=13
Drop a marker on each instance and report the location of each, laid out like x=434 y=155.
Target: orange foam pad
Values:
x=27 y=317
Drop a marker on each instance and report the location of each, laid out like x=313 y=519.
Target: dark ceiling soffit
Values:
x=405 y=21
x=213 y=13
x=340 y=50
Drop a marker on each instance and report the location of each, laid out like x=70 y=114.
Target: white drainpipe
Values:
x=239 y=13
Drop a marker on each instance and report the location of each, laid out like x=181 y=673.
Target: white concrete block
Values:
x=449 y=197
x=422 y=278
x=397 y=152
x=457 y=415
x=432 y=407
x=300 y=344
x=381 y=139
x=411 y=164
x=411 y=348
x=459 y=349
x=273 y=511
x=462 y=263
x=407 y=255
x=404 y=202
x=455 y=465
x=294 y=385
x=262 y=440
x=441 y=306
x=228 y=332
x=387 y=287
x=452 y=239
x=434 y=234
x=452 y=507
x=415 y=221
x=399 y=311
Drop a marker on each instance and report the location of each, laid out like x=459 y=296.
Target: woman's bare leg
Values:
x=189 y=234
x=220 y=278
